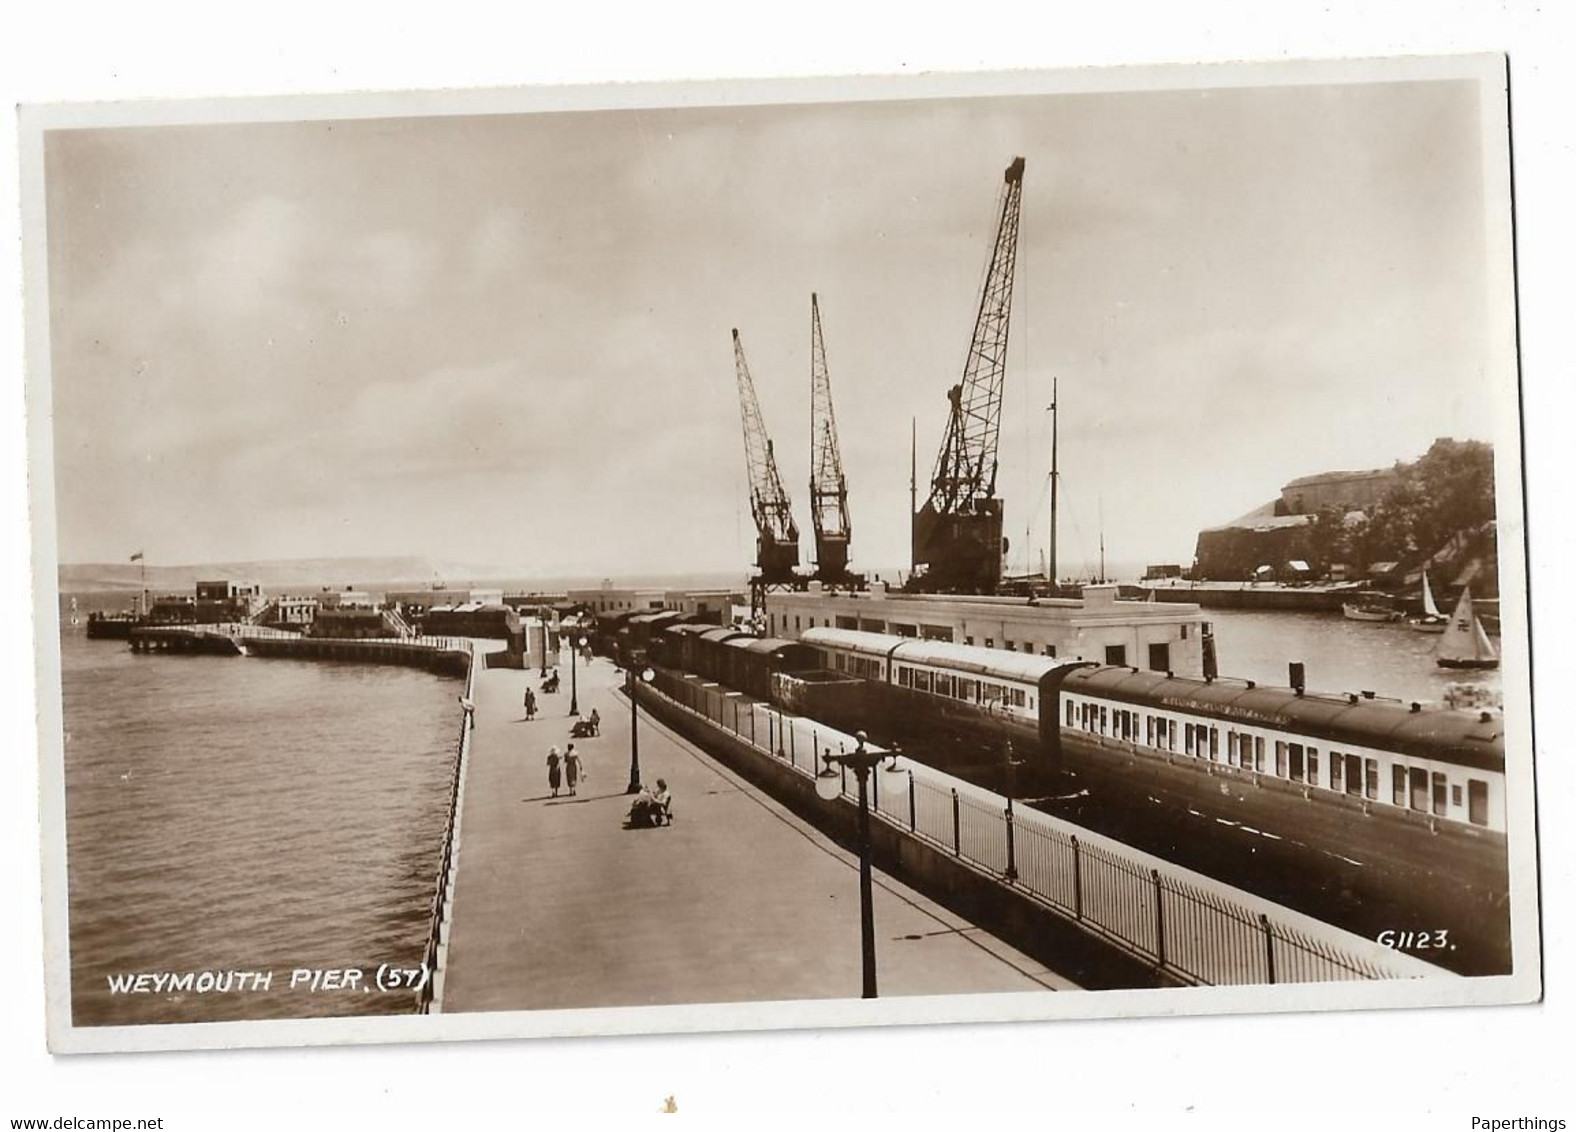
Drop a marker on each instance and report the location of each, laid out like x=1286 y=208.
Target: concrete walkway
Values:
x=557 y=906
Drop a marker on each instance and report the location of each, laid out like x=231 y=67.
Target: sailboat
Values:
x=1464 y=643
x=1430 y=620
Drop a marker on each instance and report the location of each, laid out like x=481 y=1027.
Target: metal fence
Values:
x=434 y=953
x=1174 y=919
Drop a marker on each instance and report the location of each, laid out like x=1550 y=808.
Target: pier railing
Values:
x=1188 y=926
x=435 y=952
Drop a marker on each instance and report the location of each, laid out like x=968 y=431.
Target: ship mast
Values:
x=1050 y=574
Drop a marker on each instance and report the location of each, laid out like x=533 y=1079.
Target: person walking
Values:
x=552 y=772
x=573 y=770
x=596 y=722
x=530 y=704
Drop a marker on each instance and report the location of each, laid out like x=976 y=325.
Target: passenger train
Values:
x=1442 y=767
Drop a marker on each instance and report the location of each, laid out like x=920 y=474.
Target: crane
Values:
x=828 y=487
x=777 y=535
x=957 y=533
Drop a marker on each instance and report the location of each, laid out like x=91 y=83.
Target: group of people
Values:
x=652 y=807
x=567 y=770
x=564 y=769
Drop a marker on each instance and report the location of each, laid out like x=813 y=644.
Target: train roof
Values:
x=853 y=640
x=997 y=663
x=1465 y=738
x=771 y=646
x=721 y=634
x=689 y=629
x=655 y=616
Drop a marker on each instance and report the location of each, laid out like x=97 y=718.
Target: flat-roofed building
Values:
x=1160 y=636
x=712 y=606
x=606 y=599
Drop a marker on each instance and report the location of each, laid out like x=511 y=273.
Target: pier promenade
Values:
x=556 y=906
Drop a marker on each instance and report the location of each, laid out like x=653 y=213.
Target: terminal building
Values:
x=718 y=607
x=1162 y=637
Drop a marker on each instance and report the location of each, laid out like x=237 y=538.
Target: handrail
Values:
x=435 y=952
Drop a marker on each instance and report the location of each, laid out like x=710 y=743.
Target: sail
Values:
x=1464 y=639
x=1429 y=608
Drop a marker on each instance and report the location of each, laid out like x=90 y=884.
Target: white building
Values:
x=1161 y=636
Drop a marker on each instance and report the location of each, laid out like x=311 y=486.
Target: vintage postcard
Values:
x=771 y=554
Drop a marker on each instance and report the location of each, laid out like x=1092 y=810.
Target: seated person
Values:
x=651 y=807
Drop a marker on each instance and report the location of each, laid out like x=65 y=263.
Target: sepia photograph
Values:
x=773 y=554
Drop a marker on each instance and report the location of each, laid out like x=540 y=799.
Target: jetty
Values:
x=554 y=905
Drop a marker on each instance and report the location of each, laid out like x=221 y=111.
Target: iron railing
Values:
x=1193 y=929
x=435 y=952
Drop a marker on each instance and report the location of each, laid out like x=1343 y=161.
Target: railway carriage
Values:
x=1439 y=766
x=1434 y=764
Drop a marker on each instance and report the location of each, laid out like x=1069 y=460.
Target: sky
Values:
x=504 y=339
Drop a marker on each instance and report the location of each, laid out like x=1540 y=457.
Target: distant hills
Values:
x=276 y=574
x=377 y=574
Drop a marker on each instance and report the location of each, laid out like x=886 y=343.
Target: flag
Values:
x=137 y=557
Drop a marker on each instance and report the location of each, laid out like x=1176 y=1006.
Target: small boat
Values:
x=1430 y=620
x=1465 y=644
x=1370 y=607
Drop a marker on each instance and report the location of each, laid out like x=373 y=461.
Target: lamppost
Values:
x=1013 y=764
x=541 y=615
x=647 y=675
x=574 y=686
x=829 y=785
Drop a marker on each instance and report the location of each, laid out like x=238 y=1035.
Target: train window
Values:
x=1455 y=795
x=1477 y=801
x=1335 y=770
x=1258 y=752
x=921 y=680
x=1102 y=720
x=968 y=691
x=1171 y=734
x=1419 y=783
x=1017 y=697
x=1149 y=730
x=1313 y=766
x=1371 y=778
x=905 y=677
x=1398 y=784
x=1231 y=747
x=1280 y=758
x=943 y=685
x=1354 y=776
x=1294 y=761
x=1188 y=732
x=1071 y=707
x=1441 y=793
x=1214 y=744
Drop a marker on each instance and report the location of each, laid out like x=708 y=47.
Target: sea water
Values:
x=241 y=814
